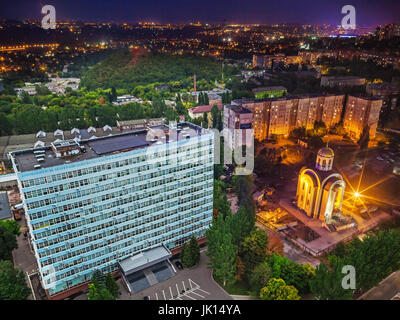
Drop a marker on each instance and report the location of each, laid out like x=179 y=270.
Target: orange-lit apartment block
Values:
x=279 y=116
x=360 y=113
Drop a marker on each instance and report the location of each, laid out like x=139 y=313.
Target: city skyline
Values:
x=176 y=11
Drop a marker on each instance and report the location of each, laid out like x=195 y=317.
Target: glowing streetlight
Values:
x=356 y=194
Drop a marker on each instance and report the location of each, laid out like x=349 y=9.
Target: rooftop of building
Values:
x=343 y=77
x=273 y=88
x=205 y=108
x=364 y=96
x=326 y=152
x=238 y=109
x=5 y=211
x=45 y=157
x=144 y=259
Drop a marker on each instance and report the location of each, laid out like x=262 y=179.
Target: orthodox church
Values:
x=320 y=190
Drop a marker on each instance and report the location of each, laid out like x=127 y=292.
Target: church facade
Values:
x=320 y=190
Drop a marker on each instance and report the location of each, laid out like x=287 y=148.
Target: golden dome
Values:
x=326 y=152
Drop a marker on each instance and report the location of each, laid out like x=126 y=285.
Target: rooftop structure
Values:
x=67 y=151
x=5 y=211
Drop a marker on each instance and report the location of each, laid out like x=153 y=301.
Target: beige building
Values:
x=331 y=109
x=360 y=113
x=279 y=116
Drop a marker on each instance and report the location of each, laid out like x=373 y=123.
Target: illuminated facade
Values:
x=360 y=113
x=320 y=191
x=279 y=116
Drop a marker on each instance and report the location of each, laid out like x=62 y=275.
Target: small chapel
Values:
x=320 y=190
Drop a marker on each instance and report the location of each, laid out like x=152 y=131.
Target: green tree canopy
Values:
x=8 y=240
x=253 y=249
x=277 y=289
x=327 y=284
x=260 y=276
x=12 y=282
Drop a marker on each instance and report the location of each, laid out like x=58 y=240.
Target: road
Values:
x=386 y=290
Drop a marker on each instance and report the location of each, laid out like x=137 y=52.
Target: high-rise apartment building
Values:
x=90 y=204
x=279 y=116
x=238 y=126
x=360 y=113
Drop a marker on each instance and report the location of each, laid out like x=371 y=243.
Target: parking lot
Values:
x=182 y=291
x=188 y=284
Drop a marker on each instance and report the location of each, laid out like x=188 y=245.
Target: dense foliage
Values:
x=77 y=109
x=277 y=289
x=9 y=230
x=126 y=71
x=12 y=282
x=190 y=253
x=103 y=287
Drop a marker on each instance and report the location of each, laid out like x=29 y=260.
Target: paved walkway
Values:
x=23 y=257
x=386 y=290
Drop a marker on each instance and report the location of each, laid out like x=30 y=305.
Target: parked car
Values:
x=179 y=265
x=146 y=298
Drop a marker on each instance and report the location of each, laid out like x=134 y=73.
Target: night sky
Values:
x=212 y=11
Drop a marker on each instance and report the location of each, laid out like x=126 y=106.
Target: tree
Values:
x=374 y=258
x=327 y=284
x=113 y=94
x=320 y=128
x=260 y=276
x=206 y=100
x=12 y=282
x=240 y=269
x=99 y=277
x=243 y=191
x=293 y=273
x=8 y=241
x=240 y=225
x=277 y=289
x=194 y=250
x=112 y=285
x=224 y=260
x=221 y=203
x=253 y=249
x=205 y=118
x=99 y=292
x=298 y=133
x=180 y=109
x=102 y=287
x=215 y=116
x=215 y=234
x=12 y=225
x=190 y=254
